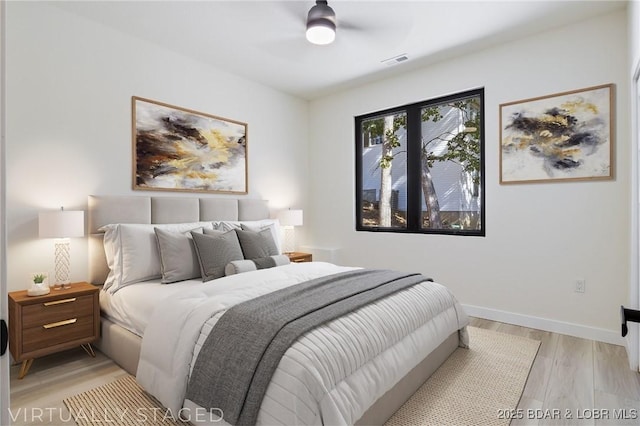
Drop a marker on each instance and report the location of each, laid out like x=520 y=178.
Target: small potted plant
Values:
x=39 y=286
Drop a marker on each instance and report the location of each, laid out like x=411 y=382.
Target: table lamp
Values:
x=62 y=225
x=288 y=219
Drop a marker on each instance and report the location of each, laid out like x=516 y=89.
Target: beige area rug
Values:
x=119 y=403
x=470 y=388
x=474 y=386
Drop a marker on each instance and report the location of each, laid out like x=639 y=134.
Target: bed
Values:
x=363 y=384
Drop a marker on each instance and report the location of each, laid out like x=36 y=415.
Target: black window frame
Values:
x=414 y=190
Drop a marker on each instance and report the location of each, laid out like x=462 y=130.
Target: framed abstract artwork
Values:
x=562 y=137
x=178 y=149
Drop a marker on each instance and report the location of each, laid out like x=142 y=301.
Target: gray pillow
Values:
x=178 y=257
x=256 y=244
x=239 y=266
x=212 y=232
x=215 y=251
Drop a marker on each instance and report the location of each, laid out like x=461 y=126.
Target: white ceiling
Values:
x=264 y=40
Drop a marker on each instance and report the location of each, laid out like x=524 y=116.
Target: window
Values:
x=420 y=167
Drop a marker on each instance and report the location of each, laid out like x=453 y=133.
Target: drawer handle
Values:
x=60 y=323
x=59 y=302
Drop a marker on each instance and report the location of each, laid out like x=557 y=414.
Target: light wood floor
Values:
x=575 y=380
x=37 y=398
x=572 y=376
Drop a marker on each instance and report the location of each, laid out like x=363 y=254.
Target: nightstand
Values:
x=299 y=257
x=60 y=320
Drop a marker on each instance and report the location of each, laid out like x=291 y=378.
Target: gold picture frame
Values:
x=179 y=149
x=566 y=136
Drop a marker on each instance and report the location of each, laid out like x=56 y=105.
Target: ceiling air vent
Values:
x=396 y=60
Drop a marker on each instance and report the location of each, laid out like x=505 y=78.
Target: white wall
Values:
x=633 y=345
x=634 y=32
x=69 y=89
x=540 y=237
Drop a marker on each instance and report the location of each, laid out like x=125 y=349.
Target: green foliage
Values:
x=431 y=113
x=375 y=128
x=39 y=278
x=385 y=161
x=462 y=147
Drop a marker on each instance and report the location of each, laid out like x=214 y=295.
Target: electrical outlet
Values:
x=581 y=285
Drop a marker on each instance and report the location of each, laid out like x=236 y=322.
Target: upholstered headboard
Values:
x=104 y=210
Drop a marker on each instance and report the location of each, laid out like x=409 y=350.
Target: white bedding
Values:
x=132 y=306
x=331 y=375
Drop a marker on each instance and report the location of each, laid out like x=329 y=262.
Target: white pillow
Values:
x=254 y=225
x=132 y=251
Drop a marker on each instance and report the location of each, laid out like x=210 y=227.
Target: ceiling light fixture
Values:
x=321 y=24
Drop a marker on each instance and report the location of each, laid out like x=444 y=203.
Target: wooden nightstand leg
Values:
x=89 y=350
x=26 y=365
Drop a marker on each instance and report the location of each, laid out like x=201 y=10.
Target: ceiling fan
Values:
x=321 y=23
x=360 y=28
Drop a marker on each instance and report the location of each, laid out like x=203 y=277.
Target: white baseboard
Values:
x=576 y=330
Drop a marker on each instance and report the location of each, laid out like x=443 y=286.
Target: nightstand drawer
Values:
x=57 y=310
x=57 y=332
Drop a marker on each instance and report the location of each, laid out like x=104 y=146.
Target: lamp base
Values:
x=289 y=245
x=62 y=264
x=61 y=286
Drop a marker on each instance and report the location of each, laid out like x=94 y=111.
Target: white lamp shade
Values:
x=61 y=224
x=290 y=217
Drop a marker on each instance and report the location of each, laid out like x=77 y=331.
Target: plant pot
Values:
x=38 y=289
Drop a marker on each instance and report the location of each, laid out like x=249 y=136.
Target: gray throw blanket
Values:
x=241 y=353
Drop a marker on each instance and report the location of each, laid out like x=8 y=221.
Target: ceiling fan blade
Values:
x=297 y=10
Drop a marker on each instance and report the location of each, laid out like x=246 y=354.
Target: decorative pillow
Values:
x=178 y=257
x=239 y=266
x=212 y=232
x=255 y=225
x=256 y=244
x=215 y=251
x=132 y=251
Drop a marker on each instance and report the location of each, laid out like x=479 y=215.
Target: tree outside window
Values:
x=425 y=172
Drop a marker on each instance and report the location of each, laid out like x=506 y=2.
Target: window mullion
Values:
x=414 y=179
x=359 y=179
